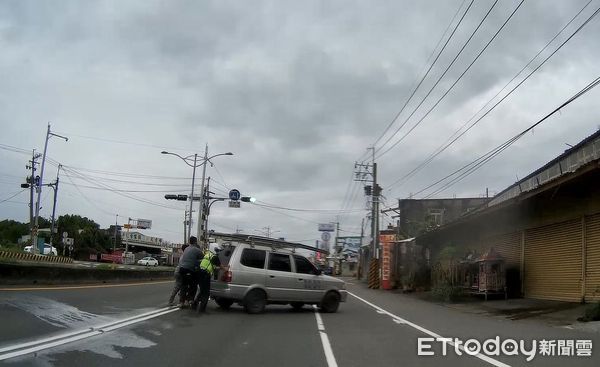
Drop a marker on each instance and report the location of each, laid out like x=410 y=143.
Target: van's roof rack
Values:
x=265 y=241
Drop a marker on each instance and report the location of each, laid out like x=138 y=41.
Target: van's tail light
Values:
x=226 y=277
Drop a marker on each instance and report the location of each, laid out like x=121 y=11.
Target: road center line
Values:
x=91 y=286
x=61 y=339
x=400 y=320
x=331 y=362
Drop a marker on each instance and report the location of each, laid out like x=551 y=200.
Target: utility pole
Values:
x=55 y=187
x=34 y=238
x=200 y=230
x=116 y=225
x=205 y=210
x=185 y=223
x=31 y=181
x=366 y=172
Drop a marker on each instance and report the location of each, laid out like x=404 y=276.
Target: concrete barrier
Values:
x=26 y=256
x=47 y=274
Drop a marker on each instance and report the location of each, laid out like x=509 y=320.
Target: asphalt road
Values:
x=374 y=328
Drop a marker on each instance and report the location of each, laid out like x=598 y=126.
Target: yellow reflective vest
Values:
x=206 y=262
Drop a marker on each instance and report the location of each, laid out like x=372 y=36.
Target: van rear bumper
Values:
x=229 y=291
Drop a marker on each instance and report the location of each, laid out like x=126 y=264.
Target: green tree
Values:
x=11 y=231
x=85 y=232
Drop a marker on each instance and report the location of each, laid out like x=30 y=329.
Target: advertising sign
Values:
x=349 y=243
x=144 y=224
x=327 y=227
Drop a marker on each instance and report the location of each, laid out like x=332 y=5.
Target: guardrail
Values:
x=34 y=257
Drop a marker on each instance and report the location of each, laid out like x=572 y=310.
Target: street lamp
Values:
x=188 y=160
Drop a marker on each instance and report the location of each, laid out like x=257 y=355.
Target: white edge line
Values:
x=46 y=340
x=428 y=332
x=82 y=334
x=68 y=335
x=329 y=356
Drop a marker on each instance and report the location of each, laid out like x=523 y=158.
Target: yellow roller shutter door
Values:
x=553 y=262
x=592 y=270
x=509 y=246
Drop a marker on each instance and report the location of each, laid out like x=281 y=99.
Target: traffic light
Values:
x=25 y=186
x=368 y=190
x=182 y=197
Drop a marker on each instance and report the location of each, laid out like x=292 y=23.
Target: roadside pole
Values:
x=39 y=188
x=54 y=205
x=200 y=230
x=116 y=225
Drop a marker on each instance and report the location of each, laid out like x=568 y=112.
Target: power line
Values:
x=126 y=174
x=455 y=82
x=12 y=196
x=112 y=189
x=302 y=209
x=122 y=190
x=430 y=66
x=469 y=168
x=14 y=149
x=453 y=138
x=125 y=142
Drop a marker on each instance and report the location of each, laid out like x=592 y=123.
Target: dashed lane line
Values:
x=329 y=356
x=400 y=320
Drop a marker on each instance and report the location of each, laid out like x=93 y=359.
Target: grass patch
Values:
x=106 y=267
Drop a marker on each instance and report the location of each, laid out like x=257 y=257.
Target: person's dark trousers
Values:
x=204 y=290
x=176 y=287
x=188 y=285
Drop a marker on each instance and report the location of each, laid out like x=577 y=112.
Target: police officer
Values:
x=208 y=265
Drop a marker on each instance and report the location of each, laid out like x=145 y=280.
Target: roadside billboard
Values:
x=349 y=243
x=144 y=224
x=327 y=227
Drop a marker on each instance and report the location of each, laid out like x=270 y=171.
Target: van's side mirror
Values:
x=318 y=272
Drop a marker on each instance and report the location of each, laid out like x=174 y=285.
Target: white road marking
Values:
x=331 y=362
x=400 y=320
x=51 y=342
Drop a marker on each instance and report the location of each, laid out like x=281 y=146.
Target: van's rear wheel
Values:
x=330 y=302
x=255 y=301
x=224 y=303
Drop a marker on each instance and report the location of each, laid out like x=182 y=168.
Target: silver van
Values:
x=255 y=275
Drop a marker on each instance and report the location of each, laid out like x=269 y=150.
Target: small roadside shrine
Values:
x=492 y=274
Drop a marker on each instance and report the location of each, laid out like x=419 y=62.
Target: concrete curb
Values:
x=34 y=257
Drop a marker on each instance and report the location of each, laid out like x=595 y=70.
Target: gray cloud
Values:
x=297 y=90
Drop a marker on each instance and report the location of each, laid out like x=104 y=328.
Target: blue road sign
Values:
x=234 y=194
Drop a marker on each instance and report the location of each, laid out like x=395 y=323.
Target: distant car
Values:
x=148 y=261
x=48 y=250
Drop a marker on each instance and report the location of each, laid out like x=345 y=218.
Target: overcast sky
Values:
x=297 y=90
